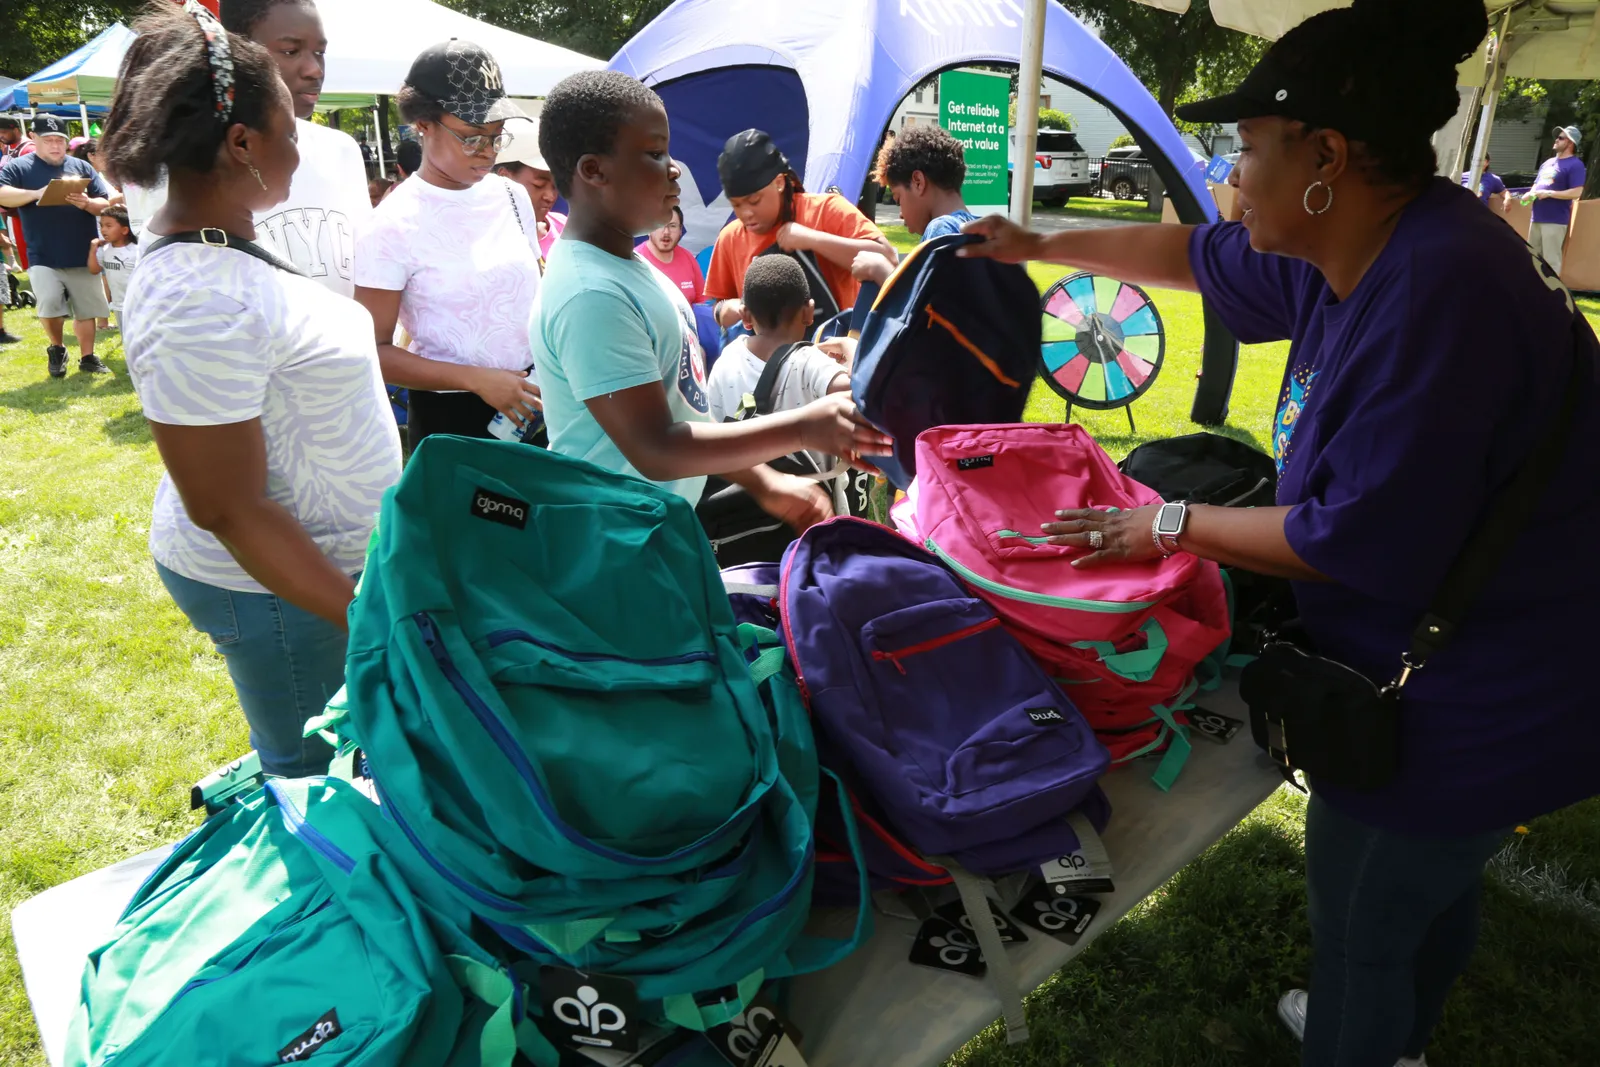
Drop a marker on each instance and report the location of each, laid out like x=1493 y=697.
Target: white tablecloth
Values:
x=875 y=1007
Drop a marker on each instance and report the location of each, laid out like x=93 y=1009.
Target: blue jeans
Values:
x=284 y=661
x=1394 y=920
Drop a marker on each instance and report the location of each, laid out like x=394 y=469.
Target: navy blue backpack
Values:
x=948 y=342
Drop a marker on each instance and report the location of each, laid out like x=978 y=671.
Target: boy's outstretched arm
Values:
x=641 y=425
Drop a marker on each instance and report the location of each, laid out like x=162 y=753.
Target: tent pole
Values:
x=83 y=114
x=1030 y=80
x=380 y=126
x=1491 y=99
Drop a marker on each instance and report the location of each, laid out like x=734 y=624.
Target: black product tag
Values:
x=1047 y=907
x=972 y=463
x=776 y=1047
x=317 y=1034
x=955 y=913
x=1041 y=716
x=655 y=1045
x=506 y=510
x=945 y=947
x=740 y=1038
x=595 y=1010
x=1219 y=728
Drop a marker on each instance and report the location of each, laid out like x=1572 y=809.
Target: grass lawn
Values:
x=111 y=706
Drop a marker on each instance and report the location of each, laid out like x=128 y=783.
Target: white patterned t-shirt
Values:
x=466 y=264
x=215 y=336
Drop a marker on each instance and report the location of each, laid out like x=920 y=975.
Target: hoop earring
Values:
x=1305 y=201
x=257 y=175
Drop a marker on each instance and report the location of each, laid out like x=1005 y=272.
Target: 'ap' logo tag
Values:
x=594 y=1009
x=947 y=947
x=1062 y=917
x=586 y=1011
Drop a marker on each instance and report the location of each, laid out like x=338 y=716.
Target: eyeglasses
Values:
x=477 y=142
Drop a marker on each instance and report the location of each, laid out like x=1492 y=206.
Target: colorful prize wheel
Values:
x=1103 y=342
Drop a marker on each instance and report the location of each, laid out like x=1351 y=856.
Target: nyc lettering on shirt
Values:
x=318 y=241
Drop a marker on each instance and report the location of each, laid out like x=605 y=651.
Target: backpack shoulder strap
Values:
x=768 y=382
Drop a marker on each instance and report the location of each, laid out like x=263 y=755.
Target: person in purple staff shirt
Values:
x=1489 y=187
x=1560 y=182
x=1400 y=418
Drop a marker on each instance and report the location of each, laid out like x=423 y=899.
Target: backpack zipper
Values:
x=520 y=763
x=482 y=896
x=896 y=655
x=200 y=983
x=308 y=834
x=982 y=357
x=505 y=637
x=1104 y=607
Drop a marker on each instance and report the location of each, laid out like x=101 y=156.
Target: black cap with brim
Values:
x=749 y=162
x=464 y=79
x=1273 y=87
x=48 y=124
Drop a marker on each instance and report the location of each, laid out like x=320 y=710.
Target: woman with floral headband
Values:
x=261 y=386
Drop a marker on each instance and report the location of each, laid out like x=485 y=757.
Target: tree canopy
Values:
x=36 y=33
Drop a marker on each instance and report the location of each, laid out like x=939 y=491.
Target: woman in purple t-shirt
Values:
x=1399 y=419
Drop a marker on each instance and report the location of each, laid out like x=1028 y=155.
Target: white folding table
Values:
x=875 y=1007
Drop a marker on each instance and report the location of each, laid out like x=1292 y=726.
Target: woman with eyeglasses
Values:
x=453 y=256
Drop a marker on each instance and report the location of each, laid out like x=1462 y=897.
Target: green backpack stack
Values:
x=280 y=931
x=557 y=709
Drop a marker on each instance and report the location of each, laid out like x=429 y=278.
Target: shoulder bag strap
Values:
x=215 y=238
x=768 y=382
x=1508 y=514
x=515 y=210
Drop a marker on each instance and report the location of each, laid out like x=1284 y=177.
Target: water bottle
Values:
x=1527 y=198
x=506 y=430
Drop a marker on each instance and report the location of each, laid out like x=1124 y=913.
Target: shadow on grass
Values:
x=53 y=394
x=129 y=428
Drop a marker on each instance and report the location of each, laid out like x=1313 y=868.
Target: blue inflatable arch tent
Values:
x=824 y=78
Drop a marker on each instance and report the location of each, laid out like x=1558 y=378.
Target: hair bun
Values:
x=1432 y=30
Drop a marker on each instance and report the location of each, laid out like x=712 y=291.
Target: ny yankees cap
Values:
x=465 y=80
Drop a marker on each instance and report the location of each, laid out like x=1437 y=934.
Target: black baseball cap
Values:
x=749 y=162
x=464 y=79
x=1286 y=83
x=44 y=124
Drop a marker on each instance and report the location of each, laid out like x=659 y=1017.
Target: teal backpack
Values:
x=280 y=931
x=549 y=692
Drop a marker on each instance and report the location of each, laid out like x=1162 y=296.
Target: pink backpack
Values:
x=1124 y=639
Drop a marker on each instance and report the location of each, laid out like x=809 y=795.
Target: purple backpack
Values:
x=891 y=864
x=951 y=738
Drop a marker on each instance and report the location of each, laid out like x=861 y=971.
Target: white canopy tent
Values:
x=1556 y=39
x=370 y=49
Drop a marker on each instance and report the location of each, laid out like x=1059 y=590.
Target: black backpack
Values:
x=1204 y=468
x=739 y=531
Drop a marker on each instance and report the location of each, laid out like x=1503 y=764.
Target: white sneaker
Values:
x=1292 y=1010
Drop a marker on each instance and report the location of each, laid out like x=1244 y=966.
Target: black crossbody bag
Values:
x=1329 y=720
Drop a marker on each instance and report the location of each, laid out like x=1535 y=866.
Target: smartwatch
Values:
x=1169 y=524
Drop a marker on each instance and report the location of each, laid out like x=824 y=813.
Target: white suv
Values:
x=1060 y=166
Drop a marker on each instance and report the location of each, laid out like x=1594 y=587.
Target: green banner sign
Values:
x=973 y=109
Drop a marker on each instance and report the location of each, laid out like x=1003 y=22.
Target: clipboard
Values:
x=56 y=193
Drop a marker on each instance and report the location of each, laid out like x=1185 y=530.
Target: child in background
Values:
x=923 y=169
x=620 y=366
x=113 y=255
x=778 y=312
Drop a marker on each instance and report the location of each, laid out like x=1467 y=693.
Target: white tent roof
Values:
x=371 y=46
x=1558 y=40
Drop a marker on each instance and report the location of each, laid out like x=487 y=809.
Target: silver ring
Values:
x=1097 y=540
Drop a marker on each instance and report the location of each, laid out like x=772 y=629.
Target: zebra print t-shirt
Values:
x=214 y=336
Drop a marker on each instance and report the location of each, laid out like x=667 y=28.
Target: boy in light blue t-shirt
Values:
x=620 y=366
